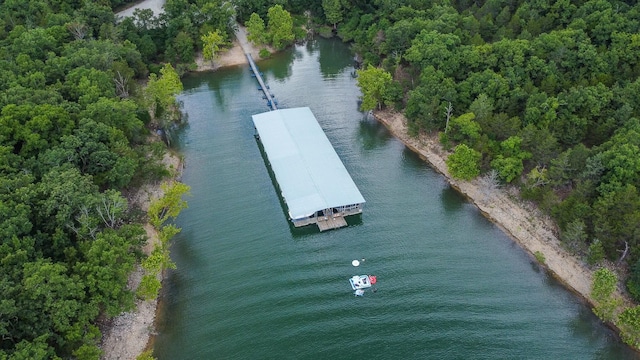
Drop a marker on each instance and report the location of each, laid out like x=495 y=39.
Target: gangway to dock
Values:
x=271 y=101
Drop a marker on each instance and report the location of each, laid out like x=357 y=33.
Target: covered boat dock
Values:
x=315 y=185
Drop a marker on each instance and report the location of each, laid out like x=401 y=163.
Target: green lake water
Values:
x=451 y=285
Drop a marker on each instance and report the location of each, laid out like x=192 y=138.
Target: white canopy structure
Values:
x=314 y=182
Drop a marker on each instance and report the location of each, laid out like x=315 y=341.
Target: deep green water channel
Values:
x=451 y=285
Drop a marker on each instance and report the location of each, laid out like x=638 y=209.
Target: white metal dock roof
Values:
x=310 y=174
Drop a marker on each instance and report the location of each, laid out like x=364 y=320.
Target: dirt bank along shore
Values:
x=128 y=335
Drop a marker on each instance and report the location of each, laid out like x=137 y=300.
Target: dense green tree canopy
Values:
x=280 y=27
x=212 y=42
x=464 y=163
x=373 y=82
x=332 y=11
x=72 y=139
x=256 y=29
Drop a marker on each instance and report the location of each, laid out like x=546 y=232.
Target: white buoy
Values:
x=355 y=263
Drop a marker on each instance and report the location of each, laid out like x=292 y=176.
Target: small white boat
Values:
x=359 y=282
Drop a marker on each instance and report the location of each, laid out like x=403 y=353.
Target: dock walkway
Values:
x=244 y=44
x=271 y=100
x=331 y=222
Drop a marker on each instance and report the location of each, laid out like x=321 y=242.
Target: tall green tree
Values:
x=616 y=216
x=50 y=300
x=256 y=29
x=602 y=290
x=169 y=205
x=508 y=162
x=373 y=83
x=332 y=11
x=280 y=27
x=464 y=163
x=30 y=129
x=211 y=45
x=629 y=323
x=464 y=128
x=431 y=48
x=160 y=96
x=181 y=48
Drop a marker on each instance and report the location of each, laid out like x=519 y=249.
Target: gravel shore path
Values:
x=155 y=5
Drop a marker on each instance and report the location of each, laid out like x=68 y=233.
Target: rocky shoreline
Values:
x=129 y=334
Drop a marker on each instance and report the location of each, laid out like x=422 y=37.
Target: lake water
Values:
x=451 y=285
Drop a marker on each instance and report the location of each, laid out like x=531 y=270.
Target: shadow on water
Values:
x=272 y=177
x=586 y=324
x=215 y=80
x=334 y=58
x=536 y=266
x=280 y=65
x=302 y=232
x=372 y=134
x=354 y=220
x=412 y=161
x=216 y=83
x=452 y=200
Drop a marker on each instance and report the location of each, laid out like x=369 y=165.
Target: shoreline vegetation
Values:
x=129 y=334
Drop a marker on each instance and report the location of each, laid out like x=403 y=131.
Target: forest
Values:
x=541 y=95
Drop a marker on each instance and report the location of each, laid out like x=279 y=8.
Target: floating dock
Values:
x=314 y=183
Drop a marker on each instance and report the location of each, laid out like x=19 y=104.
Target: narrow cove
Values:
x=248 y=285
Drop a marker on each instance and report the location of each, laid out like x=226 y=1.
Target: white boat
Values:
x=359 y=282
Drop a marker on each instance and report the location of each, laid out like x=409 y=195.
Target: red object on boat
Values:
x=372 y=279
